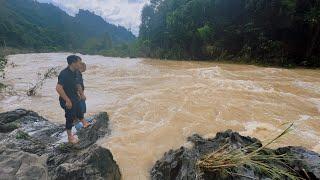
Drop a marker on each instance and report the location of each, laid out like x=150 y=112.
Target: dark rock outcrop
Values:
x=181 y=164
x=34 y=148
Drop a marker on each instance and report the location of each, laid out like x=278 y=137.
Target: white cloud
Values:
x=120 y=12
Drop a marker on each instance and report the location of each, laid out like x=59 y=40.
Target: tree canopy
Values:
x=268 y=31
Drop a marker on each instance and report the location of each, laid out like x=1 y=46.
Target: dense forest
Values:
x=271 y=32
x=278 y=32
x=27 y=24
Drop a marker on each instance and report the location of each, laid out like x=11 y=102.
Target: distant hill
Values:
x=32 y=25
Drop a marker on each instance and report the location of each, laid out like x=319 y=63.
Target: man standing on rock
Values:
x=68 y=95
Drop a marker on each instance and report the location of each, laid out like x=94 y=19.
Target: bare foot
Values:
x=85 y=123
x=73 y=140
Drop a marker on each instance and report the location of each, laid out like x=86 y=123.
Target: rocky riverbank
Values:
x=207 y=160
x=31 y=147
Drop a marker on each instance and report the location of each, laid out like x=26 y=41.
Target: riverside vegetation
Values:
x=284 y=32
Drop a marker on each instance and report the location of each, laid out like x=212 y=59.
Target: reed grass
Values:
x=225 y=159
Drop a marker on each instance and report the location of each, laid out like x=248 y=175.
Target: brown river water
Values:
x=154 y=105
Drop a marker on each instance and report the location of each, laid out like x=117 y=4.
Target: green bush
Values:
x=22 y=135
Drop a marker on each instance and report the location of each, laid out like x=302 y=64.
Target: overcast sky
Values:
x=120 y=12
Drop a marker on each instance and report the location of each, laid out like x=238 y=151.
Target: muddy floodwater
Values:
x=154 y=105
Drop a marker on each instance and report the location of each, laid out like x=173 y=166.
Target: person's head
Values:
x=74 y=62
x=83 y=67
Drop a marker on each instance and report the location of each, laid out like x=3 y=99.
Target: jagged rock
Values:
x=93 y=133
x=16 y=164
x=34 y=149
x=94 y=162
x=180 y=164
x=308 y=161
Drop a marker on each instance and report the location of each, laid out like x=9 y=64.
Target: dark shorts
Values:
x=83 y=106
x=71 y=114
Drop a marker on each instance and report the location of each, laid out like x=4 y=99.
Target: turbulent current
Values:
x=154 y=105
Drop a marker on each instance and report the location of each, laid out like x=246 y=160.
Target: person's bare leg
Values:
x=85 y=123
x=71 y=137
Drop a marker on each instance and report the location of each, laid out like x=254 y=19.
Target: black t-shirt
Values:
x=67 y=79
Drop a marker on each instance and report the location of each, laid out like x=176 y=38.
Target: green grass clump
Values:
x=2 y=86
x=22 y=135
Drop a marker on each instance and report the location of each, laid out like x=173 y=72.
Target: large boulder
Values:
x=183 y=163
x=35 y=148
x=17 y=164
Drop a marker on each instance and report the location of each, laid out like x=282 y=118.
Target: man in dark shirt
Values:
x=67 y=91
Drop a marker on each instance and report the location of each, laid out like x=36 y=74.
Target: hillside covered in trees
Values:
x=275 y=32
x=278 y=32
x=27 y=24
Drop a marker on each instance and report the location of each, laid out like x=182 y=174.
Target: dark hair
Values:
x=72 y=59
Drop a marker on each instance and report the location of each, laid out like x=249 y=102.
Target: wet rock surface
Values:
x=34 y=148
x=181 y=164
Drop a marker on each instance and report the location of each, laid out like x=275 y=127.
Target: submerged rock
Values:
x=34 y=148
x=182 y=164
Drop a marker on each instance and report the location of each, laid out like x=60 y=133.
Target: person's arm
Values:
x=64 y=96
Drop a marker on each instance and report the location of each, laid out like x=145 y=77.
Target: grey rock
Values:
x=16 y=164
x=180 y=164
x=307 y=162
x=32 y=149
x=92 y=163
